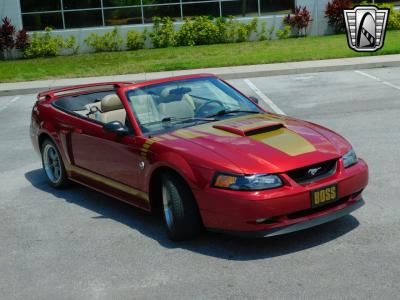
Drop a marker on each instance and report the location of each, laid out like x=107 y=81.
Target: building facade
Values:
x=82 y=17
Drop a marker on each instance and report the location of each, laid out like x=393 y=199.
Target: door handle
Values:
x=68 y=130
x=78 y=130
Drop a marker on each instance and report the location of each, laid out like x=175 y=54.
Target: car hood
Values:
x=266 y=143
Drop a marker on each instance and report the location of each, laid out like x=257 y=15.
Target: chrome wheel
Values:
x=52 y=163
x=167 y=204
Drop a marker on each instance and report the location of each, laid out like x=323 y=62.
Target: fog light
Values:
x=262 y=220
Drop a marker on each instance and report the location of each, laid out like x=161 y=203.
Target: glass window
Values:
x=34 y=22
x=173 y=11
x=76 y=4
x=117 y=3
x=201 y=9
x=282 y=6
x=122 y=16
x=45 y=5
x=86 y=18
x=154 y=2
x=240 y=8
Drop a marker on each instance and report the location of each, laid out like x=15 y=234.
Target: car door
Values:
x=108 y=160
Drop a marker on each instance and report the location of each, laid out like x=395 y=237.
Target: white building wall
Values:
x=12 y=10
x=317 y=8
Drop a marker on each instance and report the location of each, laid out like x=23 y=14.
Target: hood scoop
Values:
x=271 y=126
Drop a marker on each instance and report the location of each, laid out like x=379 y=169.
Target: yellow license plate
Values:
x=324 y=195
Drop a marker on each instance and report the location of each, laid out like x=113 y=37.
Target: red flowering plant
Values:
x=299 y=20
x=334 y=13
x=7 y=31
x=22 y=40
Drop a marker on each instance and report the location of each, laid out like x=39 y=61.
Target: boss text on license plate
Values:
x=324 y=195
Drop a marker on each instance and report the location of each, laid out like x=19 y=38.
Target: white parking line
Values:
x=378 y=79
x=264 y=97
x=9 y=103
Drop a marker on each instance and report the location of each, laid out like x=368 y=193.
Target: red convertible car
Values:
x=200 y=152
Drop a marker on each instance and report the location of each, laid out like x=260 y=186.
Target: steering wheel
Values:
x=202 y=111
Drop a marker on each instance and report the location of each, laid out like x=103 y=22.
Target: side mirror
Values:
x=254 y=99
x=116 y=127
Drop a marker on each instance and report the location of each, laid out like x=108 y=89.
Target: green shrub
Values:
x=111 y=41
x=70 y=43
x=284 y=33
x=163 y=34
x=394 y=16
x=265 y=33
x=198 y=31
x=135 y=40
x=252 y=27
x=222 y=26
x=236 y=32
x=270 y=34
x=45 y=44
x=262 y=34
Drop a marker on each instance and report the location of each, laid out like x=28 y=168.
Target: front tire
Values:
x=180 y=212
x=53 y=165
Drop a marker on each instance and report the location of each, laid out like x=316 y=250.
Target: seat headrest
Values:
x=110 y=103
x=166 y=91
x=142 y=99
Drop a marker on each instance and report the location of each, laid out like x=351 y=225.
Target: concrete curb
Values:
x=344 y=64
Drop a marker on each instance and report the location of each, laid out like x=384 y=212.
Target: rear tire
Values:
x=180 y=212
x=53 y=165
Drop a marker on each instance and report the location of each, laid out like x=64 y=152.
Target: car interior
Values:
x=153 y=104
x=103 y=106
x=107 y=106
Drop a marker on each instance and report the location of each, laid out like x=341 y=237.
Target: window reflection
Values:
x=172 y=11
x=122 y=16
x=240 y=8
x=76 y=4
x=41 y=21
x=79 y=19
x=45 y=5
x=89 y=13
x=118 y=3
x=201 y=9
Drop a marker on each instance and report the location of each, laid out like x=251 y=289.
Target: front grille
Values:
x=313 y=172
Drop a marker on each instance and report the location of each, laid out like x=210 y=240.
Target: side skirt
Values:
x=109 y=187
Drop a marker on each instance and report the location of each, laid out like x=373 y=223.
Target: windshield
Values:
x=172 y=105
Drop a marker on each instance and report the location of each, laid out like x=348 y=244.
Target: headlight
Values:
x=247 y=182
x=349 y=159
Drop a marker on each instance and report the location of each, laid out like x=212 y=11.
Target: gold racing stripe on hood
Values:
x=286 y=141
x=188 y=134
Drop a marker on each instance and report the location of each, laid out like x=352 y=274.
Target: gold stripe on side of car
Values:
x=109 y=182
x=146 y=146
x=286 y=141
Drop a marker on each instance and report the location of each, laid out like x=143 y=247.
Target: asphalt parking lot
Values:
x=80 y=244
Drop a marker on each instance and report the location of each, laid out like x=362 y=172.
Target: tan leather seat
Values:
x=177 y=106
x=166 y=93
x=145 y=109
x=112 y=109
